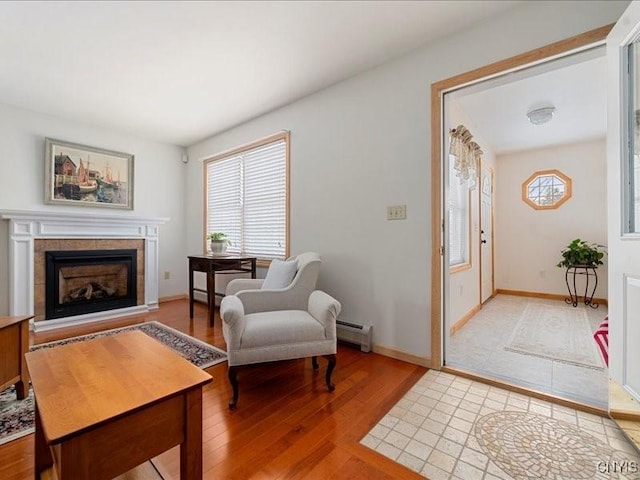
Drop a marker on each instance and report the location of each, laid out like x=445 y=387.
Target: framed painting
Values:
x=87 y=176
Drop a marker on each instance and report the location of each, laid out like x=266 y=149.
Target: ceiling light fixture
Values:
x=542 y=115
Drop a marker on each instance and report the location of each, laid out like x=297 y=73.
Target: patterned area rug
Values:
x=17 y=416
x=561 y=334
x=517 y=441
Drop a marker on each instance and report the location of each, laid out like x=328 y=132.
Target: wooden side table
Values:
x=14 y=343
x=126 y=398
x=211 y=264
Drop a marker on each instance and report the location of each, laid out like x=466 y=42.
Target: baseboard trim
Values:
x=402 y=355
x=46 y=325
x=465 y=318
x=624 y=415
x=171 y=298
x=584 y=407
x=548 y=296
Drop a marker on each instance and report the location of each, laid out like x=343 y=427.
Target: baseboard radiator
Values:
x=354 y=333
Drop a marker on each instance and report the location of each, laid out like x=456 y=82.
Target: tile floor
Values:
x=448 y=427
x=479 y=347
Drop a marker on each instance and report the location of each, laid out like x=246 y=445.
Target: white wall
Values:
x=529 y=241
x=357 y=147
x=364 y=144
x=159 y=188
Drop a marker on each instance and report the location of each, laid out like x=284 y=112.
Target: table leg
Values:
x=191 y=447
x=43 y=458
x=589 y=300
x=211 y=295
x=573 y=301
x=190 y=291
x=253 y=268
x=22 y=386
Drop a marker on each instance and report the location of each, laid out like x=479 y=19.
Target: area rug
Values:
x=560 y=334
x=17 y=416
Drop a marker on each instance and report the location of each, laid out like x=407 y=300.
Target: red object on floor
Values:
x=601 y=336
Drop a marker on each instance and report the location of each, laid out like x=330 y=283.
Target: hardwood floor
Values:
x=286 y=424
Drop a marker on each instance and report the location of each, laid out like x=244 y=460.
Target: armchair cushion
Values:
x=280 y=274
x=280 y=328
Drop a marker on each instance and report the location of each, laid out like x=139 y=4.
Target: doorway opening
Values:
x=498 y=315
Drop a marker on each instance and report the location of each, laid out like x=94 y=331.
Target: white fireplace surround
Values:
x=27 y=226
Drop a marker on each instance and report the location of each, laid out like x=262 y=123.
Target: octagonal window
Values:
x=546 y=189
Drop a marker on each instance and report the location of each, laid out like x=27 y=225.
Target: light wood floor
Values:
x=286 y=424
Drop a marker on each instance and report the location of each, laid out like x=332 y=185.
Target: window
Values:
x=246 y=197
x=631 y=170
x=458 y=211
x=546 y=189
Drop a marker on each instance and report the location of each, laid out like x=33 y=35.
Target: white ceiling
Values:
x=575 y=86
x=177 y=72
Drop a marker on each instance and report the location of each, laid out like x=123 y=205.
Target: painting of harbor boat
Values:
x=82 y=175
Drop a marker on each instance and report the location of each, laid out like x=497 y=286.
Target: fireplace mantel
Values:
x=26 y=226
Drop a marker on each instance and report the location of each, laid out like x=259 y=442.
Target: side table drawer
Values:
x=227 y=264
x=199 y=264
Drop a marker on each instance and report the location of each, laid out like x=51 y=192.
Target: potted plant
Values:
x=579 y=252
x=218 y=242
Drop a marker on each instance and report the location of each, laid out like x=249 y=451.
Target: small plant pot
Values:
x=218 y=246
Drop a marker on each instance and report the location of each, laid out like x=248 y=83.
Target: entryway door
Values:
x=623 y=185
x=486 y=233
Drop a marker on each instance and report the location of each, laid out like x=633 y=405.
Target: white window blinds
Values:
x=246 y=194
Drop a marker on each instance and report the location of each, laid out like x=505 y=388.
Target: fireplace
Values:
x=32 y=233
x=78 y=282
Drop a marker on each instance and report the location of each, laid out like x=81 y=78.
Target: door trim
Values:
x=512 y=387
x=563 y=47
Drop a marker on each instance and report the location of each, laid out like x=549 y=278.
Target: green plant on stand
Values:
x=218 y=242
x=579 y=252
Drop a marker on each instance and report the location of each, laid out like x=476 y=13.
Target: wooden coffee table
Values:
x=105 y=405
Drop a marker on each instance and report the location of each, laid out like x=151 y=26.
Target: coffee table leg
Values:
x=191 y=448
x=43 y=458
x=22 y=386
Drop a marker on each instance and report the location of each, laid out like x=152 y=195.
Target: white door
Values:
x=623 y=186
x=486 y=233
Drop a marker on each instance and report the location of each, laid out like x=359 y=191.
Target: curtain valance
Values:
x=467 y=155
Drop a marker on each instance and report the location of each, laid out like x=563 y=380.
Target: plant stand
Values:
x=588 y=272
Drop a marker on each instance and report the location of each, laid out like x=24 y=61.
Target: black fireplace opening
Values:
x=88 y=281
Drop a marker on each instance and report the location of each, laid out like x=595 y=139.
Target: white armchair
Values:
x=293 y=297
x=273 y=335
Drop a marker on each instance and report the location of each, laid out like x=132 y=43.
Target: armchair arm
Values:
x=325 y=309
x=238 y=284
x=270 y=300
x=233 y=322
